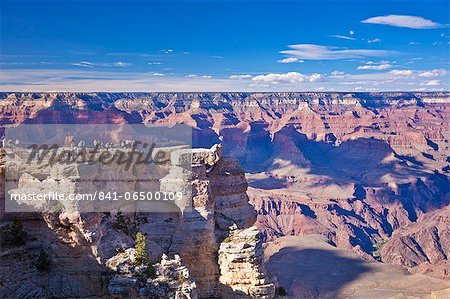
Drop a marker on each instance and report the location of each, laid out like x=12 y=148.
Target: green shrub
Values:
x=181 y=277
x=43 y=262
x=119 y=249
x=280 y=291
x=13 y=235
x=124 y=224
x=379 y=245
x=150 y=272
x=141 y=253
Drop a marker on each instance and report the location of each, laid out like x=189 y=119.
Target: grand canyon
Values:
x=298 y=195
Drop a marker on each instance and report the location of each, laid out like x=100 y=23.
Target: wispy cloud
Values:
x=413 y=43
x=401 y=72
x=431 y=83
x=91 y=79
x=240 y=76
x=318 y=52
x=154 y=63
x=198 y=76
x=375 y=40
x=291 y=77
x=342 y=37
x=375 y=67
x=290 y=60
x=337 y=74
x=83 y=64
x=405 y=21
x=89 y=64
x=24 y=63
x=121 y=64
x=433 y=73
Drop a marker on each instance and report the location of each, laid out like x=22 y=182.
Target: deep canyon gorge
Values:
x=352 y=181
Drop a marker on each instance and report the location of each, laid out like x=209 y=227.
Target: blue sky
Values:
x=224 y=45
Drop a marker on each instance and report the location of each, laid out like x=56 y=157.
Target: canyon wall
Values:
x=353 y=167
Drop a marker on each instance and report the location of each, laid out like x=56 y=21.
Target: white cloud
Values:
x=342 y=37
x=351 y=32
x=240 y=76
x=375 y=40
x=414 y=43
x=375 y=67
x=121 y=64
x=154 y=63
x=401 y=72
x=412 y=22
x=291 y=77
x=89 y=64
x=115 y=79
x=84 y=64
x=318 y=52
x=433 y=73
x=337 y=74
x=431 y=83
x=167 y=51
x=198 y=76
x=290 y=60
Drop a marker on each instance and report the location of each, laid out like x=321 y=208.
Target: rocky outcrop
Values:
x=214 y=205
x=218 y=204
x=423 y=245
x=166 y=279
x=241 y=260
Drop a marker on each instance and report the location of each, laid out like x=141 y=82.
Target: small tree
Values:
x=124 y=224
x=43 y=262
x=280 y=291
x=17 y=227
x=120 y=220
x=150 y=272
x=13 y=235
x=141 y=253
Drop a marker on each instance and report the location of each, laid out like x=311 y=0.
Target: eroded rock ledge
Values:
x=212 y=234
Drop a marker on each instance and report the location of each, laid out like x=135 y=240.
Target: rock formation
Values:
x=215 y=205
x=167 y=279
x=241 y=260
x=352 y=167
x=423 y=245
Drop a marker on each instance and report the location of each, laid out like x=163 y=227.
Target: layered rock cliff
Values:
x=423 y=245
x=354 y=167
x=100 y=245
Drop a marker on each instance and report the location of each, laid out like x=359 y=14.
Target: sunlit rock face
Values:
x=423 y=245
x=194 y=229
x=241 y=260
